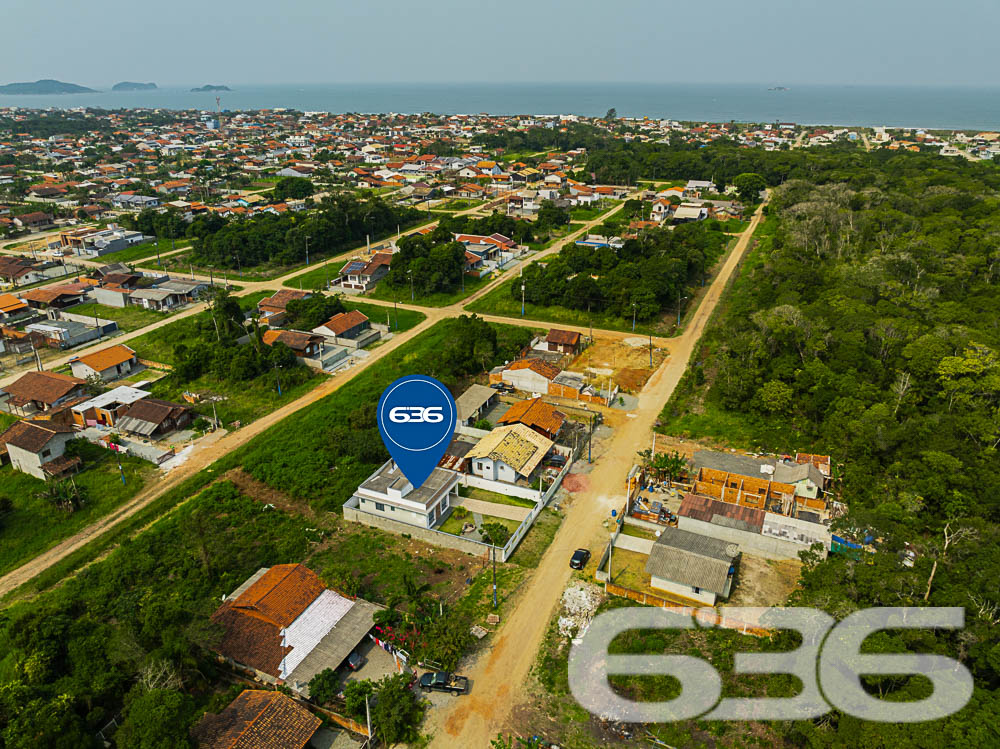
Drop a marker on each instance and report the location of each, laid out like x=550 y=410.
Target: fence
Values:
x=707 y=616
x=525 y=526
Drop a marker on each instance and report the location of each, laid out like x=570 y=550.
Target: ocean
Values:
x=954 y=107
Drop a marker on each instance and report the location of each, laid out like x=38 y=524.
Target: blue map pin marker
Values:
x=416 y=417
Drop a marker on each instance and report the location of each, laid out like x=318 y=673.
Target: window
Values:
x=380 y=507
x=46 y=453
x=696 y=589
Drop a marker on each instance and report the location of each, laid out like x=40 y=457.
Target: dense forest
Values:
x=646 y=275
x=866 y=325
x=342 y=221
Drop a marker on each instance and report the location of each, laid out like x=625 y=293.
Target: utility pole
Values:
x=650 y=350
x=522 y=293
x=307 y=249
x=633 y=317
x=679 y=300
x=590 y=439
x=493 y=549
x=409 y=273
x=395 y=311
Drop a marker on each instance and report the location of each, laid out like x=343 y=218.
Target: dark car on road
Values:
x=579 y=559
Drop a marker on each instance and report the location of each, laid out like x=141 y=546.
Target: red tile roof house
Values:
x=364 y=274
x=303 y=345
x=257 y=719
x=41 y=391
x=563 y=341
x=285 y=626
x=38 y=448
x=272 y=309
x=109 y=363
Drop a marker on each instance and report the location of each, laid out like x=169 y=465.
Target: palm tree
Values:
x=65 y=494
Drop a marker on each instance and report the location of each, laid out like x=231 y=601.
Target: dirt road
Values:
x=199 y=460
x=474 y=720
x=214 y=450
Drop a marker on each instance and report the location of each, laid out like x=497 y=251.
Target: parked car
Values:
x=442 y=681
x=355 y=661
x=579 y=559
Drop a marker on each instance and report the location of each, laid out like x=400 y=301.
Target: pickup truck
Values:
x=442 y=681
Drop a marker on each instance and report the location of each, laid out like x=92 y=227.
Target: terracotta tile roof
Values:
x=546 y=370
x=257 y=719
x=44 y=387
x=47 y=296
x=108 y=357
x=535 y=413
x=567 y=337
x=281 y=593
x=32 y=435
x=280 y=299
x=295 y=340
x=344 y=321
x=10 y=303
x=154 y=410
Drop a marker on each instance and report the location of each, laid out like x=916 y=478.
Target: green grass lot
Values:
x=589 y=213
x=6 y=420
x=158 y=345
x=537 y=539
x=440 y=299
x=128 y=318
x=244 y=401
x=34 y=525
x=143 y=251
x=317 y=458
x=453 y=524
x=473 y=492
x=399 y=319
x=500 y=301
x=462 y=204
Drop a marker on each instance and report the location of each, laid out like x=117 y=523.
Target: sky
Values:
x=780 y=42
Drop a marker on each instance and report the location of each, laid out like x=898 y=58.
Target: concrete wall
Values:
x=107 y=326
x=511 y=490
x=355 y=515
x=705 y=596
x=756 y=544
x=631 y=543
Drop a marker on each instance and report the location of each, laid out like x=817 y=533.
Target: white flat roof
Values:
x=120 y=394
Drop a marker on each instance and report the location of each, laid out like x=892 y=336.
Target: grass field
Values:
x=473 y=492
x=128 y=318
x=398 y=319
x=34 y=524
x=158 y=345
x=143 y=251
x=440 y=299
x=589 y=213
x=243 y=401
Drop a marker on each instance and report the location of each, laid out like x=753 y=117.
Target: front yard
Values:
x=128 y=318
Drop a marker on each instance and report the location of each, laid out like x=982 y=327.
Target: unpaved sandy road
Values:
x=498 y=674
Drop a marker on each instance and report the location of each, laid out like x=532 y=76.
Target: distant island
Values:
x=778 y=88
x=204 y=89
x=45 y=86
x=132 y=86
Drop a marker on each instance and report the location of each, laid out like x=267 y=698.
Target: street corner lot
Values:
x=625 y=361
